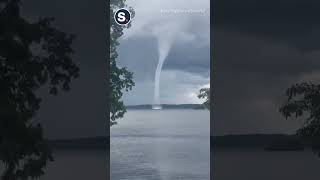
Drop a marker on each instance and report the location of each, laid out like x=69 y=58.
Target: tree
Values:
x=303 y=100
x=205 y=94
x=120 y=78
x=32 y=54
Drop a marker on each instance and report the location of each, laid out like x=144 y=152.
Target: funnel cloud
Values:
x=164 y=46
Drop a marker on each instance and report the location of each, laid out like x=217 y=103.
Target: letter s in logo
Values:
x=122 y=16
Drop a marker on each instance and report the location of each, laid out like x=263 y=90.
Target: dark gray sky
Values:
x=261 y=48
x=82 y=111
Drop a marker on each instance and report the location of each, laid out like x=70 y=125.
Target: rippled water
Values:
x=253 y=164
x=161 y=145
x=76 y=165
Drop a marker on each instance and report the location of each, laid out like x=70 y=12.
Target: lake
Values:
x=145 y=145
x=77 y=165
x=255 y=164
x=161 y=145
x=172 y=145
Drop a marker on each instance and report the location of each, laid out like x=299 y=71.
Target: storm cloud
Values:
x=81 y=112
x=260 y=49
x=186 y=68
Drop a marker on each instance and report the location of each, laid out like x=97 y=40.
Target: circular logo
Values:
x=122 y=16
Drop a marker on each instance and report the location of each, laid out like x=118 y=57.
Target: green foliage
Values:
x=32 y=54
x=303 y=100
x=205 y=94
x=120 y=78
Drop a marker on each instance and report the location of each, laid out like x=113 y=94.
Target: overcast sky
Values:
x=261 y=48
x=82 y=111
x=186 y=69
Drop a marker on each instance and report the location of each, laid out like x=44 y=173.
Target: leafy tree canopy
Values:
x=205 y=94
x=120 y=78
x=303 y=100
x=32 y=54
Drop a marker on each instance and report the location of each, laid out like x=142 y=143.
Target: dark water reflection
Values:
x=255 y=164
x=78 y=165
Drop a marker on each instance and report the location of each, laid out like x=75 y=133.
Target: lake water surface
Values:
x=254 y=164
x=161 y=145
x=76 y=165
x=172 y=145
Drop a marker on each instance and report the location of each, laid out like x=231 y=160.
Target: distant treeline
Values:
x=81 y=143
x=168 y=106
x=269 y=142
